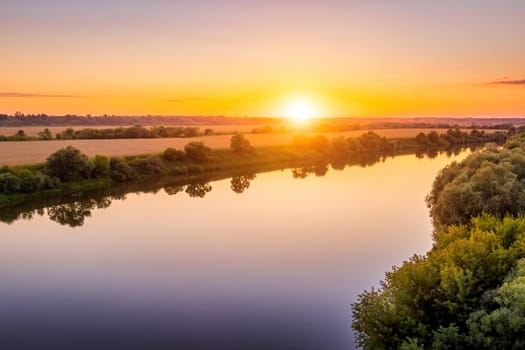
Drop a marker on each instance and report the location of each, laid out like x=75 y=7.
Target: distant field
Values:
x=27 y=152
x=34 y=130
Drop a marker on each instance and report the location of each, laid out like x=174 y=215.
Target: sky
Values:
x=251 y=58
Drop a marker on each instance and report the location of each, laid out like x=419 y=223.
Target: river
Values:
x=273 y=264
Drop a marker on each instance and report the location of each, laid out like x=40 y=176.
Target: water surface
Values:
x=275 y=266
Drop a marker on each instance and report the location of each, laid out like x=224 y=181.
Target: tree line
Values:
x=467 y=291
x=133 y=132
x=21 y=119
x=70 y=165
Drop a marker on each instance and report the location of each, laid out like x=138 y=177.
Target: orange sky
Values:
x=247 y=58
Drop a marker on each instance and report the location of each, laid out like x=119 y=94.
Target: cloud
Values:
x=508 y=82
x=32 y=95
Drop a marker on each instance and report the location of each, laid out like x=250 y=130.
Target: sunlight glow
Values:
x=300 y=109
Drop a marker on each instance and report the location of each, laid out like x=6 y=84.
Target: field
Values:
x=34 y=130
x=28 y=152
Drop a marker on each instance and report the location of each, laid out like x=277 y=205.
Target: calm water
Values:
x=274 y=267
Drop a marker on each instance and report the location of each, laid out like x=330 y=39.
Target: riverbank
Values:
x=69 y=170
x=30 y=152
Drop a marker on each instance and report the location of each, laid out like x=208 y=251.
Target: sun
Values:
x=300 y=109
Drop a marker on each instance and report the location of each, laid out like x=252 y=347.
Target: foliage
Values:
x=490 y=181
x=68 y=164
x=100 y=166
x=9 y=183
x=132 y=132
x=148 y=166
x=197 y=151
x=45 y=134
x=172 y=154
x=454 y=296
x=120 y=170
x=240 y=144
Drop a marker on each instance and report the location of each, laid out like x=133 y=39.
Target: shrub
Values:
x=9 y=183
x=197 y=151
x=120 y=170
x=100 y=165
x=320 y=143
x=45 y=135
x=68 y=164
x=148 y=166
x=340 y=145
x=240 y=144
x=172 y=154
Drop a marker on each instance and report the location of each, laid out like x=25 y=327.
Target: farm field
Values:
x=34 y=130
x=28 y=152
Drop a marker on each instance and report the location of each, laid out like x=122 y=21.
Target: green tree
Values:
x=197 y=151
x=120 y=170
x=68 y=164
x=240 y=144
x=100 y=166
x=45 y=134
x=172 y=154
x=457 y=296
x=9 y=183
x=491 y=181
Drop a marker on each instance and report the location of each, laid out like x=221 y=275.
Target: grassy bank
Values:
x=69 y=171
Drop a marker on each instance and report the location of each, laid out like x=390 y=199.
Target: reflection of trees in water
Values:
x=198 y=189
x=173 y=190
x=239 y=184
x=74 y=213
x=194 y=190
x=319 y=169
x=73 y=210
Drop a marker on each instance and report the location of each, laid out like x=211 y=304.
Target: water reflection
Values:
x=239 y=184
x=265 y=262
x=72 y=210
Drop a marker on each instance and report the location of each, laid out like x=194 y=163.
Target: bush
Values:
x=27 y=180
x=100 y=165
x=197 y=151
x=463 y=294
x=45 y=135
x=120 y=170
x=240 y=144
x=320 y=143
x=148 y=166
x=68 y=164
x=9 y=183
x=340 y=146
x=172 y=154
x=492 y=181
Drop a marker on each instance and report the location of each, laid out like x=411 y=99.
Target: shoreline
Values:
x=34 y=182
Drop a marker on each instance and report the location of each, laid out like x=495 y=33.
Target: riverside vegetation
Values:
x=69 y=170
x=468 y=291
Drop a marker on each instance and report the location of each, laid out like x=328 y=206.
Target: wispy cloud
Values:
x=25 y=94
x=184 y=99
x=508 y=82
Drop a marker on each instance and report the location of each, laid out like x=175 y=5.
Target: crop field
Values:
x=28 y=152
x=34 y=130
